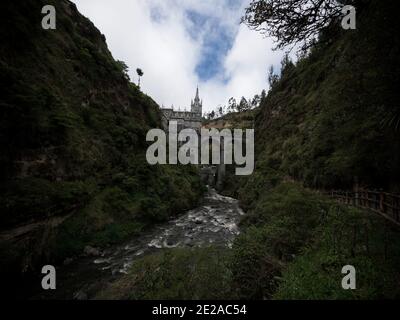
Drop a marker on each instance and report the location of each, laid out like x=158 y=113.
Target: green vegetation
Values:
x=324 y=123
x=125 y=209
x=327 y=122
x=292 y=246
x=295 y=243
x=175 y=274
x=348 y=237
x=72 y=133
x=73 y=141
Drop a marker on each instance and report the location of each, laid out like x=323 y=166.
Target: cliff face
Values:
x=68 y=110
x=72 y=132
x=333 y=119
x=330 y=121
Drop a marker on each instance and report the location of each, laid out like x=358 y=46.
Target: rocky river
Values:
x=213 y=222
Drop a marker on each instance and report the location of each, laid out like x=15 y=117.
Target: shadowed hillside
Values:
x=73 y=141
x=332 y=121
x=329 y=122
x=75 y=181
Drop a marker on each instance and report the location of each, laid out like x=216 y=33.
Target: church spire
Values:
x=197 y=98
x=196 y=106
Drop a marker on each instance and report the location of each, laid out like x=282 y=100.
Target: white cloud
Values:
x=246 y=66
x=154 y=35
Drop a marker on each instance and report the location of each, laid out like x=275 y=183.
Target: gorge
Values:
x=77 y=191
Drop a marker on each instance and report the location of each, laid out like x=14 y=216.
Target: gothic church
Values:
x=185 y=119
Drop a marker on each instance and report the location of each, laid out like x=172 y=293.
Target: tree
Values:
x=256 y=101
x=243 y=105
x=211 y=115
x=232 y=104
x=140 y=74
x=221 y=111
x=292 y=22
x=263 y=95
x=272 y=77
x=286 y=64
x=123 y=68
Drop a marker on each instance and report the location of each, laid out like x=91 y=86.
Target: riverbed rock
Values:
x=91 y=251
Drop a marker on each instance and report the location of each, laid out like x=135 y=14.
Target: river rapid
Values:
x=213 y=222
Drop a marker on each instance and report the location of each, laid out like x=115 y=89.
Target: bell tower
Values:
x=197 y=104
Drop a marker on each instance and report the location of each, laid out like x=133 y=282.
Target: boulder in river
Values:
x=90 y=251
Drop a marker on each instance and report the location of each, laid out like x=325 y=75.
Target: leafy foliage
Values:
x=321 y=120
x=293 y=21
x=175 y=274
x=323 y=124
x=72 y=133
x=348 y=237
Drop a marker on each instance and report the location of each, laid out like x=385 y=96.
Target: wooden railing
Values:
x=383 y=203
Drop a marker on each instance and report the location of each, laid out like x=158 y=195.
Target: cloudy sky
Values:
x=181 y=43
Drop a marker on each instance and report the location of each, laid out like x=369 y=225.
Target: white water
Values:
x=214 y=222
